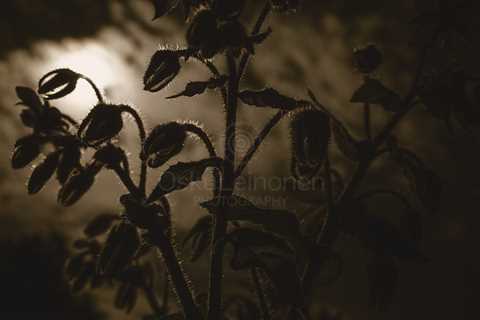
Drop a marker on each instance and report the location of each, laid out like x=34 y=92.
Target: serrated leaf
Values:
x=345 y=142
x=374 y=92
x=269 y=97
x=180 y=175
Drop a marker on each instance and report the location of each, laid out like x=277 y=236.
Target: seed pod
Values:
x=43 y=172
x=164 y=142
x=26 y=150
x=121 y=245
x=102 y=124
x=78 y=183
x=163 y=68
x=58 y=83
x=367 y=59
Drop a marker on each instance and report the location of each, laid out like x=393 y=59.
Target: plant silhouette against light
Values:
x=271 y=244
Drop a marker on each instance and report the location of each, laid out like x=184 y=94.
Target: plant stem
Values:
x=258 y=141
x=211 y=151
x=260 y=294
x=128 y=183
x=92 y=84
x=220 y=226
x=177 y=276
x=367 y=122
x=256 y=29
x=142 y=134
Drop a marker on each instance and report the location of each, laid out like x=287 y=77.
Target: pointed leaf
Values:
x=180 y=175
x=374 y=92
x=269 y=98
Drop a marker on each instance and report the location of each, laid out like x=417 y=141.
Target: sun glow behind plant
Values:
x=92 y=60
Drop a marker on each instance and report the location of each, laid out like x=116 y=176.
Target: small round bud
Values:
x=368 y=59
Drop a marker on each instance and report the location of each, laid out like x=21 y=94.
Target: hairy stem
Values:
x=177 y=276
x=92 y=84
x=256 y=29
x=258 y=141
x=211 y=151
x=220 y=226
x=142 y=134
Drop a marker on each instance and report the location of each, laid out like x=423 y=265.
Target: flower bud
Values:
x=109 y=156
x=78 y=183
x=69 y=160
x=163 y=68
x=43 y=172
x=203 y=33
x=232 y=34
x=58 y=83
x=26 y=150
x=367 y=59
x=102 y=124
x=164 y=142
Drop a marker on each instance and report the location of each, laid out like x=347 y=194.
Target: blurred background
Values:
x=111 y=41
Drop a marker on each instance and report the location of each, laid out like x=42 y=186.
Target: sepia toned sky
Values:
x=112 y=41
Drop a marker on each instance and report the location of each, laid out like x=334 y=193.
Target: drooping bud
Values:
x=58 y=83
x=310 y=138
x=164 y=142
x=163 y=68
x=110 y=156
x=78 y=183
x=26 y=150
x=69 y=160
x=43 y=172
x=367 y=59
x=102 y=124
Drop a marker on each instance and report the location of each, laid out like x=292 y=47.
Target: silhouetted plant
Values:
x=271 y=244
